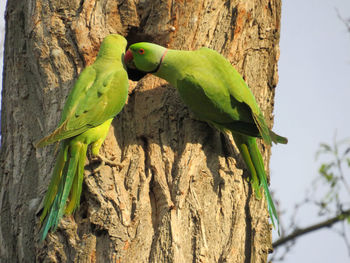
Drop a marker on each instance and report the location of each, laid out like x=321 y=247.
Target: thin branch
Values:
x=342 y=233
x=346 y=22
x=299 y=232
x=338 y=158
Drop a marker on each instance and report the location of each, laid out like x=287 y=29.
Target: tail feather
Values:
x=248 y=161
x=71 y=173
x=50 y=219
x=66 y=178
x=82 y=158
x=270 y=205
x=74 y=198
x=252 y=157
x=259 y=164
x=55 y=181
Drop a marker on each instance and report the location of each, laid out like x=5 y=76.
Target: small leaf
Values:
x=323 y=148
x=326 y=147
x=346 y=151
x=334 y=182
x=324 y=171
x=348 y=161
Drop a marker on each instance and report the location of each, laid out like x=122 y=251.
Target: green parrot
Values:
x=98 y=95
x=212 y=88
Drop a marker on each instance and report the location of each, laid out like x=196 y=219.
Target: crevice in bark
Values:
x=80 y=7
x=145 y=147
x=154 y=210
x=248 y=228
x=136 y=35
x=98 y=231
x=225 y=142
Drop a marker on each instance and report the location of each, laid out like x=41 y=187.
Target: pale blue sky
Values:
x=311 y=103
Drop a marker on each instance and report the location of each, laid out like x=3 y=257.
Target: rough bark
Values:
x=181 y=195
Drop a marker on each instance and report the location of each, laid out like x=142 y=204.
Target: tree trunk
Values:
x=182 y=195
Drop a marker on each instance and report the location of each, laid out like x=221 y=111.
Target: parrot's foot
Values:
x=103 y=161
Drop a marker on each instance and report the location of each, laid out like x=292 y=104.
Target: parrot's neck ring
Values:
x=160 y=63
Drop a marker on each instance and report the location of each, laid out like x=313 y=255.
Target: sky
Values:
x=310 y=106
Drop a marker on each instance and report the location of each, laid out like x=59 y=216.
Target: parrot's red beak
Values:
x=128 y=57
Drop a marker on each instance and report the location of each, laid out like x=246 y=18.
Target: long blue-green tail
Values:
x=66 y=183
x=252 y=157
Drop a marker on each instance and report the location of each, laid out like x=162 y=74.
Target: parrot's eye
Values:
x=141 y=51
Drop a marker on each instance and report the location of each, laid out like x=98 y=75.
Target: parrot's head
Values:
x=113 y=45
x=115 y=39
x=146 y=57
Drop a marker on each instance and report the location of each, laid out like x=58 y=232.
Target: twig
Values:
x=299 y=232
x=346 y=22
x=338 y=158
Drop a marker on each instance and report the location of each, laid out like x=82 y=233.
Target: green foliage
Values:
x=331 y=171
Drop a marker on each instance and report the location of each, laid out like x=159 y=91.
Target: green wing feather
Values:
x=240 y=92
x=82 y=115
x=278 y=138
x=81 y=88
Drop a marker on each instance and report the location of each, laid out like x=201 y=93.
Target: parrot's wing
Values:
x=89 y=104
x=238 y=90
x=82 y=85
x=211 y=102
x=101 y=101
x=242 y=93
